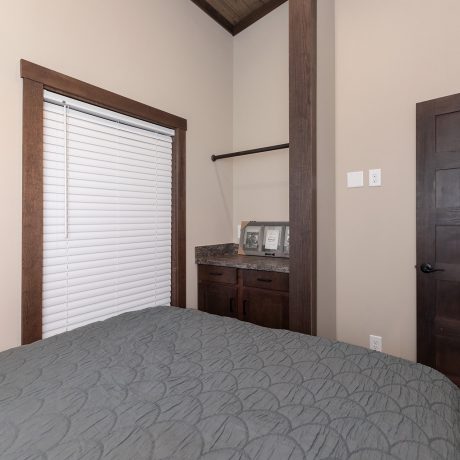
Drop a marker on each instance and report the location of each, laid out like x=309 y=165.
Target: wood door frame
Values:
x=302 y=164
x=36 y=79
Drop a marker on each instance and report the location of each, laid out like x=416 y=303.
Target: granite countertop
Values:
x=226 y=255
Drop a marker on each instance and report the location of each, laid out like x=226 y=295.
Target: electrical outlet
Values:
x=375 y=342
x=375 y=177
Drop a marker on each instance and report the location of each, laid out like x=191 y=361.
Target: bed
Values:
x=168 y=383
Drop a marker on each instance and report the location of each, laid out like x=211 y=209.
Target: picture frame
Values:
x=267 y=239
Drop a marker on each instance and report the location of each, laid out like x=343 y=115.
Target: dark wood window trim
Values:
x=35 y=80
x=302 y=164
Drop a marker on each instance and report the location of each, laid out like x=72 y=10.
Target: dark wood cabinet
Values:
x=266 y=308
x=218 y=299
x=259 y=297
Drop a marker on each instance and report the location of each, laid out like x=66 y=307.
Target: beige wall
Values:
x=165 y=53
x=261 y=117
x=390 y=55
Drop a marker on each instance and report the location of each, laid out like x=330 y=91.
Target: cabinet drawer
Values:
x=217 y=274
x=266 y=280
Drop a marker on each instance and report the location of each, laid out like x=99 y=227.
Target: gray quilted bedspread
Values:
x=166 y=383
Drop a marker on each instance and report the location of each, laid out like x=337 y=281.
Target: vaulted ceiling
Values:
x=237 y=15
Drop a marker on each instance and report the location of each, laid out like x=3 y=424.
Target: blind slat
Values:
x=85 y=245
x=54 y=234
x=54 y=280
x=118 y=129
x=93 y=128
x=99 y=260
x=92 y=289
x=96 y=252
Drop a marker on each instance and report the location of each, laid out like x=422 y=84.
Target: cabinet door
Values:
x=218 y=299
x=266 y=308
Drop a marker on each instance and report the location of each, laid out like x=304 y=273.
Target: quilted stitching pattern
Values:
x=167 y=383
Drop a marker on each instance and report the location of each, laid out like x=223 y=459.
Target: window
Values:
x=103 y=204
x=107 y=214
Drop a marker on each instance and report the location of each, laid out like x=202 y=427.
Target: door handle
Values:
x=428 y=268
x=245 y=302
x=231 y=304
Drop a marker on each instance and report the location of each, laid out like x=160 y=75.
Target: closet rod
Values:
x=250 y=152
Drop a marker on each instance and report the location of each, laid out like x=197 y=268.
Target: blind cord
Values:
x=66 y=215
x=66 y=200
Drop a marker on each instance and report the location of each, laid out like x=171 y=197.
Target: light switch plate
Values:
x=355 y=179
x=375 y=177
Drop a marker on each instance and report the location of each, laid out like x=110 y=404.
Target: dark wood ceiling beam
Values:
x=243 y=23
x=259 y=13
x=211 y=11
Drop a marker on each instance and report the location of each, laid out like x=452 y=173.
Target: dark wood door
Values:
x=266 y=308
x=438 y=235
x=218 y=299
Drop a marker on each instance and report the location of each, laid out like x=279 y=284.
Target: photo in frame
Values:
x=270 y=239
x=252 y=238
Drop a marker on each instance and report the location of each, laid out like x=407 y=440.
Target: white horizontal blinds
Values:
x=107 y=214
